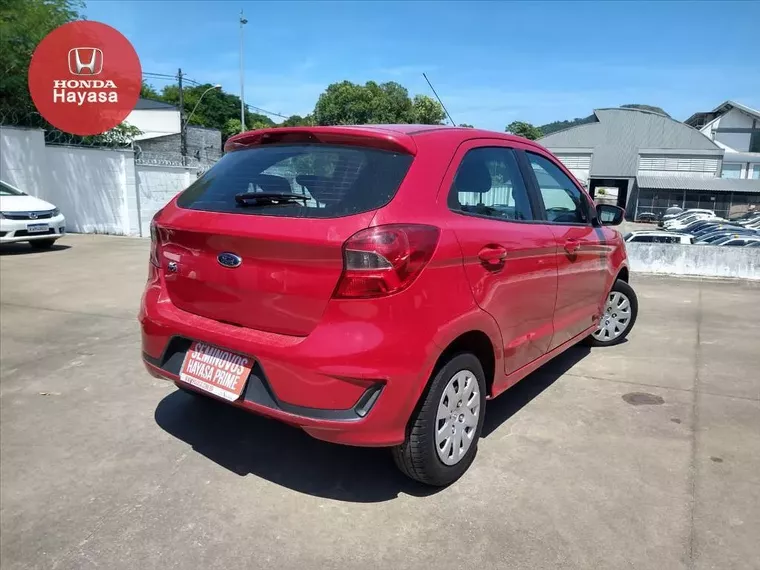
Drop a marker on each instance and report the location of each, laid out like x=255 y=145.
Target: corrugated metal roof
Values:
x=151 y=105
x=618 y=135
x=694 y=183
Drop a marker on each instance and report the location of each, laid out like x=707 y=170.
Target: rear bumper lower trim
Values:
x=258 y=391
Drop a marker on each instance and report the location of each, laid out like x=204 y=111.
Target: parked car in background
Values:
x=645 y=236
x=678 y=224
x=24 y=218
x=671 y=213
x=698 y=225
x=715 y=236
x=383 y=300
x=681 y=215
x=753 y=244
x=736 y=240
x=646 y=217
x=712 y=228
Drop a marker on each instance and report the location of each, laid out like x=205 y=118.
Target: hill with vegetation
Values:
x=555 y=126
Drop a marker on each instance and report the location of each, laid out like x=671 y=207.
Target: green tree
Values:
x=121 y=135
x=216 y=108
x=293 y=121
x=427 y=111
x=231 y=127
x=652 y=108
x=525 y=130
x=23 y=24
x=348 y=103
x=147 y=91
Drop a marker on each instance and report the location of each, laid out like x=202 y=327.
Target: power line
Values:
x=167 y=76
x=265 y=111
x=185 y=79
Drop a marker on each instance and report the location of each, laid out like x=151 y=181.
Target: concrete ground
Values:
x=645 y=456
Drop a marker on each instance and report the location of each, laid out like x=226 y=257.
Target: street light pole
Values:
x=243 y=21
x=199 y=102
x=182 y=131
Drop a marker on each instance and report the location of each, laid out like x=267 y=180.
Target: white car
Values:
x=670 y=218
x=654 y=236
x=680 y=223
x=26 y=218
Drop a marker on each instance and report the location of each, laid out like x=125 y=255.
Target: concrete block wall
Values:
x=98 y=190
x=695 y=260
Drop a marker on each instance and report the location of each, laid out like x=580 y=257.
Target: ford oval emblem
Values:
x=227 y=259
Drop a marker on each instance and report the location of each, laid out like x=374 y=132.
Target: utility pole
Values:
x=243 y=22
x=182 y=126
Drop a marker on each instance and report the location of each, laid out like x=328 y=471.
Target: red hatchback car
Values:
x=375 y=285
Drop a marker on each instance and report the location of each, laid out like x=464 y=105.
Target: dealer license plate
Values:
x=37 y=228
x=216 y=370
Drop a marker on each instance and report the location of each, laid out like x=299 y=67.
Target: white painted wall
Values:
x=156 y=186
x=23 y=161
x=98 y=190
x=90 y=187
x=733 y=119
x=155 y=122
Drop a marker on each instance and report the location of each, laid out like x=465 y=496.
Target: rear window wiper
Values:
x=260 y=198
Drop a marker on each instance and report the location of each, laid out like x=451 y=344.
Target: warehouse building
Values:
x=646 y=162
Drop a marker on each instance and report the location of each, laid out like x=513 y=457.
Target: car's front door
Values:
x=509 y=255
x=582 y=249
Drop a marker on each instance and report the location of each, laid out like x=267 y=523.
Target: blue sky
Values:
x=490 y=62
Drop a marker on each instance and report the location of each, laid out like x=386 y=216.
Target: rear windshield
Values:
x=335 y=180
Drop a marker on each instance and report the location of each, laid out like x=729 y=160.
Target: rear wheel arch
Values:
x=478 y=343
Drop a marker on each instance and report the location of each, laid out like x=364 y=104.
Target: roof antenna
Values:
x=439 y=100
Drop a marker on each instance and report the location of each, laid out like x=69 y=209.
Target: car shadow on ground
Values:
x=23 y=248
x=246 y=444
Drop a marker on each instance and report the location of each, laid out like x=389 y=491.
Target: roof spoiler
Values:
x=355 y=136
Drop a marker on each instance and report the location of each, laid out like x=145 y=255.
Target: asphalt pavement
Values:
x=645 y=455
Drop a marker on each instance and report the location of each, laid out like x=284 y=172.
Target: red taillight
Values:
x=383 y=260
x=155 y=244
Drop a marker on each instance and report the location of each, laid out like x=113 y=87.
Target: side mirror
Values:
x=609 y=215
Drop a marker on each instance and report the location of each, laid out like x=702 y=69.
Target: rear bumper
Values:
x=347 y=382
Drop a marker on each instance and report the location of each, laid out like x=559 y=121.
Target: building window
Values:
x=756 y=171
x=731 y=171
x=754 y=142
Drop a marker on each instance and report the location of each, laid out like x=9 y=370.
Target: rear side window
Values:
x=334 y=180
x=488 y=183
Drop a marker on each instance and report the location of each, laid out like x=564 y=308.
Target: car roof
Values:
x=400 y=137
x=655 y=233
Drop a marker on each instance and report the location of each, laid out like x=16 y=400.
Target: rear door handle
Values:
x=572 y=245
x=492 y=256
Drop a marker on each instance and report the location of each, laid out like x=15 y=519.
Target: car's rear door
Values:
x=509 y=257
x=582 y=248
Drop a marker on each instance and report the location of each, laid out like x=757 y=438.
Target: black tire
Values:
x=417 y=457
x=42 y=243
x=627 y=290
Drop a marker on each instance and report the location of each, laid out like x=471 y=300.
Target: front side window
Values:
x=488 y=183
x=563 y=201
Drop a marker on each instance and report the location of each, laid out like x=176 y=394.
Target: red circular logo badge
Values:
x=85 y=78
